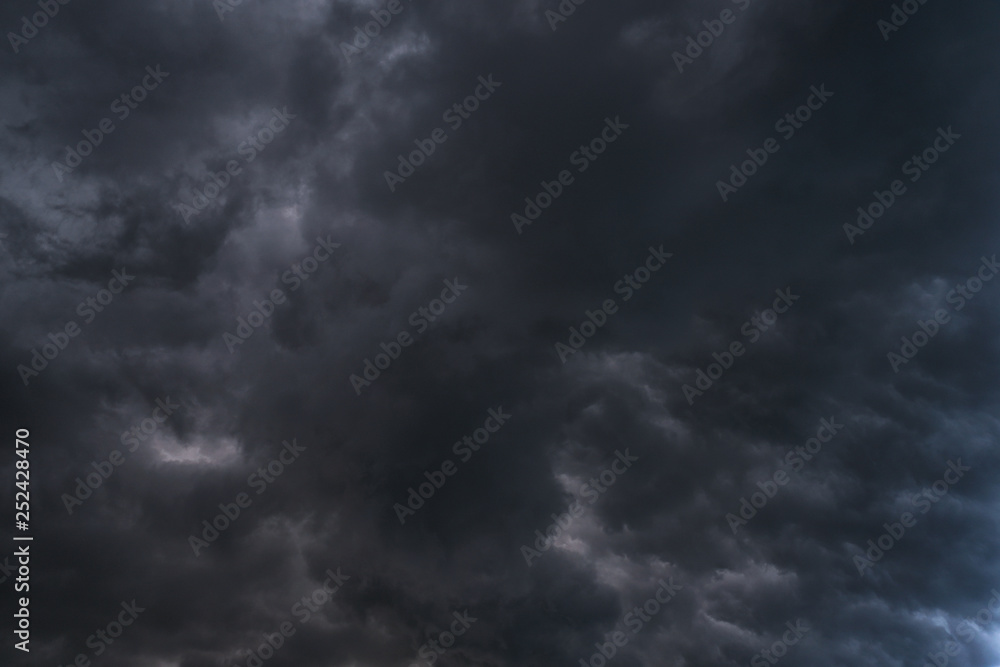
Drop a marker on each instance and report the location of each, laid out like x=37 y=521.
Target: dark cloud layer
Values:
x=321 y=181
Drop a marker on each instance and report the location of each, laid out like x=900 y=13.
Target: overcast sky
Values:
x=404 y=298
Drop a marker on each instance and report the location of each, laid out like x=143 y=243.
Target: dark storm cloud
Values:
x=321 y=179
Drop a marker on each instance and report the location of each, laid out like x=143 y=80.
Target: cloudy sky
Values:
x=518 y=333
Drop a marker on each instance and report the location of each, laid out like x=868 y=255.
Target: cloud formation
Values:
x=542 y=158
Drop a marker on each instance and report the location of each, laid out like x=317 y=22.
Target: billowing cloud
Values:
x=528 y=333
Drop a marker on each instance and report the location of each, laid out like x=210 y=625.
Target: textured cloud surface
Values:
x=513 y=333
